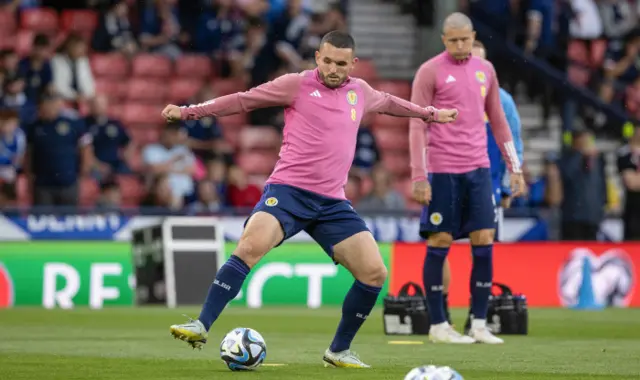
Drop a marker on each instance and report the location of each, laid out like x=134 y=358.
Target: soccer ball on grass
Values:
x=431 y=372
x=243 y=349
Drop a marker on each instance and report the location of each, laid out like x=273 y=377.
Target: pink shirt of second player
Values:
x=321 y=125
x=470 y=86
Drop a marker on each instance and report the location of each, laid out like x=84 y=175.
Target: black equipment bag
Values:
x=507 y=314
x=406 y=314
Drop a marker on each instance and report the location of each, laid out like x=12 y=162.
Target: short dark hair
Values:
x=8 y=114
x=41 y=40
x=339 y=39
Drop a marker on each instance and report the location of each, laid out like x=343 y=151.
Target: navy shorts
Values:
x=327 y=220
x=460 y=204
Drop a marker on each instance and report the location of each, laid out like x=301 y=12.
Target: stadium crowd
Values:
x=82 y=91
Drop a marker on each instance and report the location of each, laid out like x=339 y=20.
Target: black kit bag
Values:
x=406 y=314
x=507 y=314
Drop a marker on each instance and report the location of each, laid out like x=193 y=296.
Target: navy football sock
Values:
x=432 y=280
x=356 y=308
x=481 y=277
x=224 y=288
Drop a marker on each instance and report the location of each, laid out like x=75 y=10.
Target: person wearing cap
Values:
x=170 y=157
x=59 y=153
x=12 y=146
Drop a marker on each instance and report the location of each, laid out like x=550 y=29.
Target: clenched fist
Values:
x=447 y=116
x=172 y=113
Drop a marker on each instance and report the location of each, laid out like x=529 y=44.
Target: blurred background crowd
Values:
x=83 y=83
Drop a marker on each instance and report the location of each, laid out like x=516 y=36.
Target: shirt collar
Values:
x=316 y=74
x=457 y=61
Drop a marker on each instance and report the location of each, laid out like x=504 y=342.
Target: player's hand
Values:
x=505 y=202
x=517 y=185
x=421 y=192
x=172 y=113
x=447 y=116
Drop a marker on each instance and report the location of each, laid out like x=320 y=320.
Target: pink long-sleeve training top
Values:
x=321 y=125
x=471 y=87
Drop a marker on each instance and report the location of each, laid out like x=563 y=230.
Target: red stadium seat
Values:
x=401 y=89
x=114 y=90
x=257 y=163
x=24 y=42
x=236 y=120
x=39 y=20
x=231 y=134
x=142 y=114
x=227 y=86
x=388 y=121
x=111 y=65
x=182 y=90
x=259 y=137
x=116 y=111
x=79 y=21
x=144 y=135
x=8 y=25
x=194 y=66
x=89 y=192
x=391 y=138
x=151 y=65
x=146 y=91
x=365 y=69
x=130 y=188
x=398 y=164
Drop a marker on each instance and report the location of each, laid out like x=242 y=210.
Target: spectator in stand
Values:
x=14 y=97
x=13 y=144
x=161 y=194
x=240 y=192
x=58 y=154
x=382 y=197
x=217 y=176
x=629 y=168
x=367 y=152
x=36 y=69
x=207 y=201
x=584 y=188
x=169 y=157
x=16 y=5
x=110 y=196
x=112 y=145
x=220 y=34
x=544 y=190
x=161 y=32
x=9 y=61
x=621 y=66
x=321 y=22
x=254 y=40
x=618 y=17
x=114 y=32
x=205 y=134
x=72 y=76
x=586 y=25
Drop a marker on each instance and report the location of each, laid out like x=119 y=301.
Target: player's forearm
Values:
x=504 y=139
x=395 y=106
x=222 y=106
x=418 y=150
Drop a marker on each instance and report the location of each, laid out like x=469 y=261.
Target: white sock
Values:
x=478 y=323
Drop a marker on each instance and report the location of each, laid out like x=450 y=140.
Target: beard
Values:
x=332 y=82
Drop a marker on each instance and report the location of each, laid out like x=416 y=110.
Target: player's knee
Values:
x=376 y=276
x=482 y=237
x=440 y=239
x=249 y=251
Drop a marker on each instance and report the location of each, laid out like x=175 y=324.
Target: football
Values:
x=431 y=372
x=243 y=349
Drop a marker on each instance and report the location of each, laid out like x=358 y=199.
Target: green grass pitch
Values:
x=134 y=344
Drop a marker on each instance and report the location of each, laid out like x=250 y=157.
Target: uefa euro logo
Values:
x=587 y=280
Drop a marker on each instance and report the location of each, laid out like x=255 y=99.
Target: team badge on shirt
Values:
x=272 y=201
x=62 y=128
x=436 y=218
x=481 y=77
x=352 y=97
x=112 y=131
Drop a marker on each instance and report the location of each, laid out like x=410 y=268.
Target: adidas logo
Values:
x=316 y=94
x=450 y=79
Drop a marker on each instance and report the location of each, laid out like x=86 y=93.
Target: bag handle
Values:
x=504 y=289
x=417 y=289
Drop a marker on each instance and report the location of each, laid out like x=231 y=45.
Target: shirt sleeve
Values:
x=513 y=119
x=278 y=92
x=422 y=94
x=381 y=102
x=499 y=125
